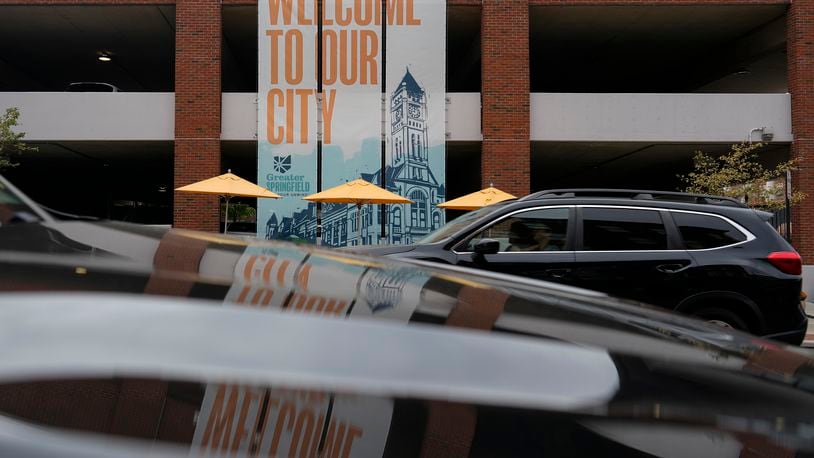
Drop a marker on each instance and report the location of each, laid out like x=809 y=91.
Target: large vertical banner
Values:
x=353 y=69
x=287 y=117
x=351 y=143
x=415 y=94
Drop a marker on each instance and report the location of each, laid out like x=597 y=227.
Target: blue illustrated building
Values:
x=407 y=173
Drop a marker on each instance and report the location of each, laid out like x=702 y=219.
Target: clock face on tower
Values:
x=396 y=115
x=414 y=112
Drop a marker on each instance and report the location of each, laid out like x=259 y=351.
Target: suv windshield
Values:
x=458 y=224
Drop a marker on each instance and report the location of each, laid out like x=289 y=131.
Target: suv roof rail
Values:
x=636 y=194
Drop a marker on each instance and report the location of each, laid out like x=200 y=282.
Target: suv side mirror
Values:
x=484 y=247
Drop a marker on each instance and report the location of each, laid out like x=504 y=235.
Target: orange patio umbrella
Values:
x=477 y=199
x=227 y=186
x=358 y=192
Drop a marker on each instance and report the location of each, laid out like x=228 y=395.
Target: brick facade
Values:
x=800 y=39
x=197 y=109
x=505 y=95
x=505 y=84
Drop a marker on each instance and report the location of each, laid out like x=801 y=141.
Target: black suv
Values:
x=707 y=256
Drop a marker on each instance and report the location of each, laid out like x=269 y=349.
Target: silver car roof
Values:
x=45 y=335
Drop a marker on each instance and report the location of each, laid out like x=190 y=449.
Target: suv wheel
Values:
x=721 y=317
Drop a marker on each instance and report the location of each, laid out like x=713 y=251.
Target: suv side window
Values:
x=705 y=231
x=536 y=230
x=620 y=229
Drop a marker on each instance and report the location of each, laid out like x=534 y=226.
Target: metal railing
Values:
x=781 y=221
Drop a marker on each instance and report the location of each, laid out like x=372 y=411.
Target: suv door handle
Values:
x=557 y=273
x=671 y=268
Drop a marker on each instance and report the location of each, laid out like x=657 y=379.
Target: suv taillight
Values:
x=787 y=262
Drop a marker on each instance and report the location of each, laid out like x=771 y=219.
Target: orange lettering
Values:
x=281 y=272
x=321 y=304
x=274 y=52
x=327 y=115
x=363 y=13
x=289 y=116
x=314 y=300
x=333 y=440
x=368 y=56
x=257 y=433
x=304 y=95
x=275 y=134
x=395 y=12
x=241 y=432
x=267 y=270
x=329 y=305
x=317 y=435
x=274 y=11
x=263 y=297
x=293 y=50
x=335 y=307
x=248 y=271
x=353 y=432
x=241 y=298
x=339 y=17
x=219 y=423
x=348 y=68
x=296 y=302
x=287 y=412
x=301 y=18
x=410 y=19
x=328 y=56
x=302 y=277
x=305 y=419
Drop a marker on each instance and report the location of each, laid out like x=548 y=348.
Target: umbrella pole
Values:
x=319 y=224
x=226 y=222
x=359 y=223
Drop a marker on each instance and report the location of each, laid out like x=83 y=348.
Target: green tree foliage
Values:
x=239 y=212
x=739 y=174
x=11 y=143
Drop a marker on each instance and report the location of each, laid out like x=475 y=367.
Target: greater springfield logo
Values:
x=282 y=164
x=282 y=183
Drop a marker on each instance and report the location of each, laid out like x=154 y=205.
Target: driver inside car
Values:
x=524 y=238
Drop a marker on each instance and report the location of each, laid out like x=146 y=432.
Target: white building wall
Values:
x=239 y=116
x=658 y=117
x=90 y=116
x=463 y=116
x=554 y=117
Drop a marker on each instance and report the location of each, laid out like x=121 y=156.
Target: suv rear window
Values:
x=705 y=231
x=619 y=229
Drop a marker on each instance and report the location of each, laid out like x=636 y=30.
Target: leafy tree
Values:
x=10 y=141
x=738 y=174
x=239 y=212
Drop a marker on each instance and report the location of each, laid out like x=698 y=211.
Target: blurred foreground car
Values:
x=109 y=375
x=706 y=256
x=298 y=351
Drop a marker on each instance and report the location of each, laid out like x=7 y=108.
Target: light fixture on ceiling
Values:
x=104 y=56
x=741 y=71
